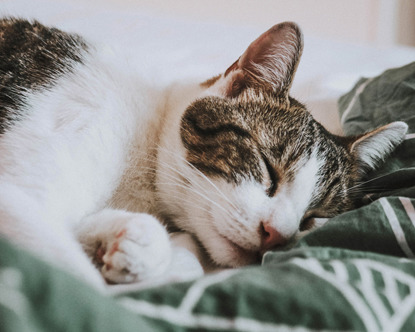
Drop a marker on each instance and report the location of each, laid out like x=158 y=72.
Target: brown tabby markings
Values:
x=251 y=129
x=229 y=138
x=31 y=56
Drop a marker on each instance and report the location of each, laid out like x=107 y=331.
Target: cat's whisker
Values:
x=181 y=197
x=205 y=197
x=360 y=184
x=241 y=229
x=370 y=180
x=186 y=186
x=170 y=176
x=218 y=191
x=203 y=176
x=368 y=190
x=242 y=233
x=166 y=173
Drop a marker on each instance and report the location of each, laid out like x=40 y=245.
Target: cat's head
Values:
x=255 y=167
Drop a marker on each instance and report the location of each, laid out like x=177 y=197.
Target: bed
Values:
x=355 y=273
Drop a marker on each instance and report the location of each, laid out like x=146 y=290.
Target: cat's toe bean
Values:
x=139 y=249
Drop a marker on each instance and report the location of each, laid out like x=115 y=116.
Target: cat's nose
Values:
x=271 y=237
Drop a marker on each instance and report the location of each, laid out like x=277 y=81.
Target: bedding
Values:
x=355 y=273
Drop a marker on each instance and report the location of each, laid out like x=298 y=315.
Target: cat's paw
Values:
x=137 y=249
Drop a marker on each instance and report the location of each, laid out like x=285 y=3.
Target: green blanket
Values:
x=356 y=273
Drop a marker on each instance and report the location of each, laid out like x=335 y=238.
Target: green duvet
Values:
x=356 y=273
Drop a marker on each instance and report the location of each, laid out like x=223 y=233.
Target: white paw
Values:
x=137 y=248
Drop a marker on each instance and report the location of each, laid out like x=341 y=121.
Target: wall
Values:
x=362 y=21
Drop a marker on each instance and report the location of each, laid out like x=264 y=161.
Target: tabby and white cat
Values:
x=94 y=159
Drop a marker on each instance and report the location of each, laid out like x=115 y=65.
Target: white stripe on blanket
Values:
x=359 y=90
x=409 y=208
x=396 y=227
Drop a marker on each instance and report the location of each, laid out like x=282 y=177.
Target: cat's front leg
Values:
x=127 y=247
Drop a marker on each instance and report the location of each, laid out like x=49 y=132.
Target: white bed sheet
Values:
x=181 y=49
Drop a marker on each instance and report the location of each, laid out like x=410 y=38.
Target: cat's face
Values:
x=256 y=167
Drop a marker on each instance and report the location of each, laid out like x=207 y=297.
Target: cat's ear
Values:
x=269 y=63
x=374 y=146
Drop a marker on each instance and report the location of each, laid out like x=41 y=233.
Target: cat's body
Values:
x=234 y=161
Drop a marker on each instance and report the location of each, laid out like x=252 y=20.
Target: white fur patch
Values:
x=66 y=158
x=227 y=217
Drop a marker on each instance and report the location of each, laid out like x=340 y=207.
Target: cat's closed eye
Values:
x=272 y=183
x=307 y=223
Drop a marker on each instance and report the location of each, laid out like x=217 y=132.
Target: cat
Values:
x=97 y=164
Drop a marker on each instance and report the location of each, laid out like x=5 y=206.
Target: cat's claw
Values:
x=139 y=250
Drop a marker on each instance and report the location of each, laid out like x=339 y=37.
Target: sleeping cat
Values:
x=96 y=162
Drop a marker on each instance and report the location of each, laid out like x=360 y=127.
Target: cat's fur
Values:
x=93 y=158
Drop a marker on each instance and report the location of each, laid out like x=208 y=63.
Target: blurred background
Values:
x=374 y=22
x=178 y=40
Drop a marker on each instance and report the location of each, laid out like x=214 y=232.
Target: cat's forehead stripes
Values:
x=219 y=142
x=229 y=138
